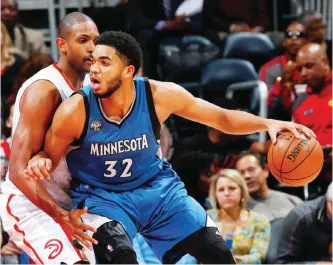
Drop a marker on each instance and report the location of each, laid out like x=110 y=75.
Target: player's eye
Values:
x=105 y=63
x=82 y=41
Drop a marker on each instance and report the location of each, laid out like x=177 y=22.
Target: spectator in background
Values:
x=36 y=63
x=221 y=17
x=253 y=168
x=315 y=31
x=7 y=110
x=314 y=107
x=149 y=22
x=11 y=63
x=294 y=39
x=247 y=233
x=306 y=235
x=27 y=41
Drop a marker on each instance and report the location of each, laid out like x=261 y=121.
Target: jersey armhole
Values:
x=155 y=123
x=79 y=141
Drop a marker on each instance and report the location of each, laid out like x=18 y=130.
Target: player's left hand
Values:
x=275 y=126
x=38 y=168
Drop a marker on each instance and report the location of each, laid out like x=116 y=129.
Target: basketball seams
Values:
x=302 y=160
x=306 y=176
x=272 y=148
x=285 y=153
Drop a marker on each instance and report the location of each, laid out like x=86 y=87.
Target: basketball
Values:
x=295 y=161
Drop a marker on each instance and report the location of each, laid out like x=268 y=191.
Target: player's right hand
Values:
x=38 y=169
x=72 y=224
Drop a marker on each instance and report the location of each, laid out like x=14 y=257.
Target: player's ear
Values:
x=61 y=44
x=128 y=72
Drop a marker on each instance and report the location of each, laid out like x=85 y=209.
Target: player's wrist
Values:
x=59 y=215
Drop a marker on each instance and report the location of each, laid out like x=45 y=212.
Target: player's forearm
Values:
x=240 y=122
x=33 y=190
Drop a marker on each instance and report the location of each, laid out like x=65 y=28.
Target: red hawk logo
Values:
x=56 y=246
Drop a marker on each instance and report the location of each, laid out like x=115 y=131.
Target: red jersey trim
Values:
x=61 y=72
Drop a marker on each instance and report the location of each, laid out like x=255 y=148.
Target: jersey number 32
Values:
x=111 y=172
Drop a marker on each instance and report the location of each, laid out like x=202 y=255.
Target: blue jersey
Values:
x=118 y=156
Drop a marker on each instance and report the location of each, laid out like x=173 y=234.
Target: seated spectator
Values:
x=253 y=168
x=293 y=40
x=247 y=233
x=283 y=94
x=222 y=17
x=11 y=63
x=26 y=40
x=145 y=255
x=315 y=31
x=314 y=107
x=306 y=235
x=6 y=129
x=36 y=63
x=150 y=22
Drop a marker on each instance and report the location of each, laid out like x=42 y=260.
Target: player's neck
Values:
x=230 y=214
x=121 y=100
x=74 y=78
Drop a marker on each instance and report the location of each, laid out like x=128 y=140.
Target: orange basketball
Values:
x=295 y=161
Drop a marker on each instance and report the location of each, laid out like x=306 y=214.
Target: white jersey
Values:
x=59 y=185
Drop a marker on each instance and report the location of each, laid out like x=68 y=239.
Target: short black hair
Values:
x=260 y=158
x=126 y=46
x=69 y=21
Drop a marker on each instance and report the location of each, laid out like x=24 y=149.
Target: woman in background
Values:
x=11 y=63
x=246 y=233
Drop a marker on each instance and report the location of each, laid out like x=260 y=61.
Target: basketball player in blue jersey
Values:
x=115 y=160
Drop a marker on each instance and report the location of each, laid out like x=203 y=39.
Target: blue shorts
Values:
x=160 y=210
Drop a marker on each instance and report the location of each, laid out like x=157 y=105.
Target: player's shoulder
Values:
x=42 y=89
x=161 y=86
x=166 y=90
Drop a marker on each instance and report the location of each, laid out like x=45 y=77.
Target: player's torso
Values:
x=61 y=176
x=113 y=153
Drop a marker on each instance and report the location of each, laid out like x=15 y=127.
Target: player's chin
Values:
x=86 y=67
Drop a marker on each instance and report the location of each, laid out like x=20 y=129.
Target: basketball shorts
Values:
x=160 y=210
x=37 y=234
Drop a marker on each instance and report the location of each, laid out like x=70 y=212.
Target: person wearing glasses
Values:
x=280 y=74
x=293 y=40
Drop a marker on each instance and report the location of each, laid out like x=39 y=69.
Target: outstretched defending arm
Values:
x=171 y=98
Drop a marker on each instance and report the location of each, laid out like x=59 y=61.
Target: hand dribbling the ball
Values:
x=275 y=126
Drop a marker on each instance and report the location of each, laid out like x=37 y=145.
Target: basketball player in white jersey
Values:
x=25 y=204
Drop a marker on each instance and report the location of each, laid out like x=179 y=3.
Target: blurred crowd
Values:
x=207 y=46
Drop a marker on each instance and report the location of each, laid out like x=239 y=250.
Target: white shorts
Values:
x=37 y=234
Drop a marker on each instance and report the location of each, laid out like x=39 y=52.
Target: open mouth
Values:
x=94 y=80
